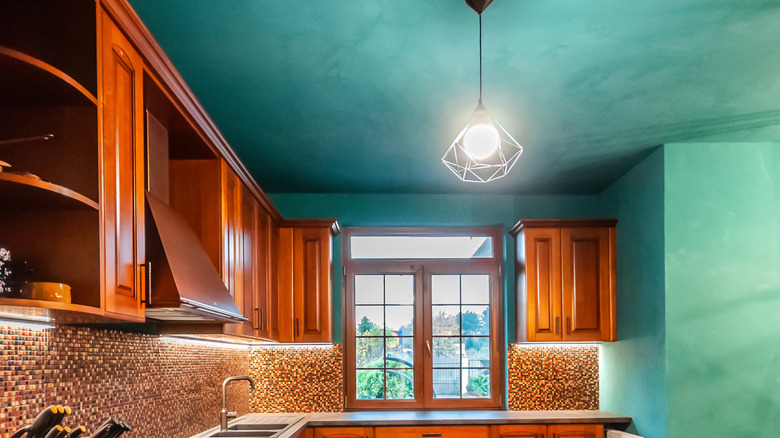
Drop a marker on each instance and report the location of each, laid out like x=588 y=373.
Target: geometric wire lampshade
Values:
x=470 y=161
x=483 y=151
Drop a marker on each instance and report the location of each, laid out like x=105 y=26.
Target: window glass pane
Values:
x=399 y=289
x=445 y=289
x=399 y=319
x=421 y=247
x=476 y=289
x=446 y=352
x=477 y=352
x=445 y=320
x=476 y=320
x=369 y=352
x=446 y=383
x=370 y=384
x=478 y=383
x=400 y=384
x=400 y=352
x=369 y=289
x=369 y=320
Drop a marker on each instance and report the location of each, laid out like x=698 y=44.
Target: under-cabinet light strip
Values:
x=25 y=323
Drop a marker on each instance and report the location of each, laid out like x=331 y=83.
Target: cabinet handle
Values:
x=428 y=344
x=568 y=325
x=557 y=325
x=147 y=268
x=431 y=434
x=297 y=327
x=261 y=315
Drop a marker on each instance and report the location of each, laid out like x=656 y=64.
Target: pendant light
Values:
x=483 y=151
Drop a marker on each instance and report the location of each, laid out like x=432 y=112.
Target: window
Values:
x=423 y=318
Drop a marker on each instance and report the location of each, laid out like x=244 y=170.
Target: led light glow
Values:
x=481 y=141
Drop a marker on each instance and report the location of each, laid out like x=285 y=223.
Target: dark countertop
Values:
x=420 y=418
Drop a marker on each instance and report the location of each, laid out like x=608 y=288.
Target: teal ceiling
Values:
x=344 y=96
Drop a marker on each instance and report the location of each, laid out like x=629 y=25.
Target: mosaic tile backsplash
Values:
x=160 y=386
x=554 y=377
x=297 y=379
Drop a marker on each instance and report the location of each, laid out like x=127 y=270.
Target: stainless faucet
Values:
x=224 y=414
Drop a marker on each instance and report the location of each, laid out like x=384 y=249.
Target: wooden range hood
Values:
x=184 y=286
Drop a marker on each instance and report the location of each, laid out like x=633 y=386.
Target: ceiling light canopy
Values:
x=483 y=151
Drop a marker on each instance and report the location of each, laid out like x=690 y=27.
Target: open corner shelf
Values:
x=27 y=193
x=29 y=80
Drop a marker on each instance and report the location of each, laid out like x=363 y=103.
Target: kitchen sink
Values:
x=249 y=430
x=257 y=426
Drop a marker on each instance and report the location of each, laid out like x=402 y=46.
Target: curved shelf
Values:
x=18 y=71
x=25 y=193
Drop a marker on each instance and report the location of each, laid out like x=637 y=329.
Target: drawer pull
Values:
x=431 y=434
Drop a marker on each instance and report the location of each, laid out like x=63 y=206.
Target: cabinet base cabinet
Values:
x=547 y=431
x=344 y=432
x=433 y=432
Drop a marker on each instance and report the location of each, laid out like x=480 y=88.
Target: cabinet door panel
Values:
x=519 y=431
x=312 y=285
x=264 y=274
x=576 y=431
x=585 y=255
x=344 y=432
x=250 y=235
x=543 y=261
x=433 y=431
x=122 y=200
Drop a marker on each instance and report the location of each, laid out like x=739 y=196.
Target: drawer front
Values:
x=519 y=431
x=344 y=432
x=433 y=432
x=576 y=431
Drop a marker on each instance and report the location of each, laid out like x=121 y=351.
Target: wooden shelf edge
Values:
x=37 y=311
x=44 y=185
x=35 y=62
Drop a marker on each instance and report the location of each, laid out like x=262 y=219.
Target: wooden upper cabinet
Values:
x=566 y=280
x=576 y=431
x=122 y=200
x=303 y=303
x=519 y=431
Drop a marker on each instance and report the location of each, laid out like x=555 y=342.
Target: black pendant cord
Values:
x=480 y=59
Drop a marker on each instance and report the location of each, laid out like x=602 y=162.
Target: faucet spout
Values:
x=224 y=414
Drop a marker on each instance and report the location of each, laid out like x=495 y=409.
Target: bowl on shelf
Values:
x=45 y=291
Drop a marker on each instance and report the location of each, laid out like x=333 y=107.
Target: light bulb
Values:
x=481 y=141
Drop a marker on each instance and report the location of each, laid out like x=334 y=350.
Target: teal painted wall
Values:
x=632 y=370
x=363 y=210
x=722 y=259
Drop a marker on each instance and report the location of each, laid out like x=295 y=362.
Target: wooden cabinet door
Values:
x=587 y=283
x=282 y=318
x=122 y=200
x=301 y=308
x=576 y=430
x=344 y=432
x=264 y=268
x=519 y=431
x=249 y=263
x=433 y=431
x=543 y=290
x=231 y=234
x=311 y=291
